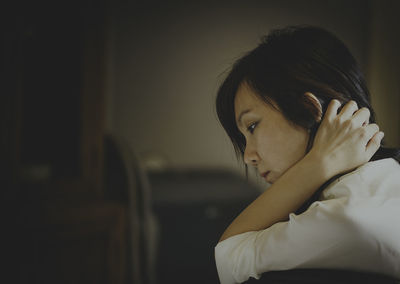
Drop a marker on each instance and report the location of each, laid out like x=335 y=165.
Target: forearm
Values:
x=285 y=196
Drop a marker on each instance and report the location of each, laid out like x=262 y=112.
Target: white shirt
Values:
x=355 y=225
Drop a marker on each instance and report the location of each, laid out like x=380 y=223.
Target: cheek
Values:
x=293 y=147
x=282 y=149
x=264 y=140
x=269 y=146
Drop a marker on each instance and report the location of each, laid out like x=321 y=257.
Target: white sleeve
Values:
x=321 y=237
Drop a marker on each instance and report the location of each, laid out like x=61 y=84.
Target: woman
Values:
x=298 y=110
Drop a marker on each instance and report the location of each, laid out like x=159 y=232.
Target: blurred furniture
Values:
x=126 y=182
x=61 y=227
x=72 y=244
x=193 y=208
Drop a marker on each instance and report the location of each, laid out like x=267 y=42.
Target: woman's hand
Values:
x=346 y=140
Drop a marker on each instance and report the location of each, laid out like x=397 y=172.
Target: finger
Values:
x=331 y=111
x=374 y=144
x=367 y=132
x=348 y=110
x=361 y=117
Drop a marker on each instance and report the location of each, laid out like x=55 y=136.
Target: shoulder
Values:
x=384 y=168
x=369 y=199
x=381 y=177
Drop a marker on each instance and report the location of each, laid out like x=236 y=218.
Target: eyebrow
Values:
x=239 y=121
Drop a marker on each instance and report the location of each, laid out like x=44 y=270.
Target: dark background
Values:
x=114 y=166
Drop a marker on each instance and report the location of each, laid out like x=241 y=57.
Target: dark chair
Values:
x=126 y=182
x=322 y=276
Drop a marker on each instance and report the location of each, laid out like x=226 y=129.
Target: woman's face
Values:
x=273 y=144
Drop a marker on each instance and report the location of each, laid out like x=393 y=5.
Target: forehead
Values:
x=247 y=100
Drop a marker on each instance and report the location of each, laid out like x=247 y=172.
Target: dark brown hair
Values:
x=288 y=63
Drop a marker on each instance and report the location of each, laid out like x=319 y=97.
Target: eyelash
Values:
x=252 y=127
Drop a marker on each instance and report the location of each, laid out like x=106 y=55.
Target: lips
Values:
x=265 y=174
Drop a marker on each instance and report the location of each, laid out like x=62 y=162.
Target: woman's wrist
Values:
x=319 y=164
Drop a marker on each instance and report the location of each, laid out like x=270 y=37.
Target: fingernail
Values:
x=381 y=134
x=337 y=101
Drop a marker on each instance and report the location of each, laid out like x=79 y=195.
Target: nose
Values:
x=250 y=155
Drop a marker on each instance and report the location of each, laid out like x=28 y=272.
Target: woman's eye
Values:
x=251 y=127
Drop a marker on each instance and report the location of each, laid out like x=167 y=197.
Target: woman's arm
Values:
x=343 y=142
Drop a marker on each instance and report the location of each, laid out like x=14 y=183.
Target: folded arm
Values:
x=322 y=237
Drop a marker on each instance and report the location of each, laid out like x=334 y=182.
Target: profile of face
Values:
x=273 y=144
